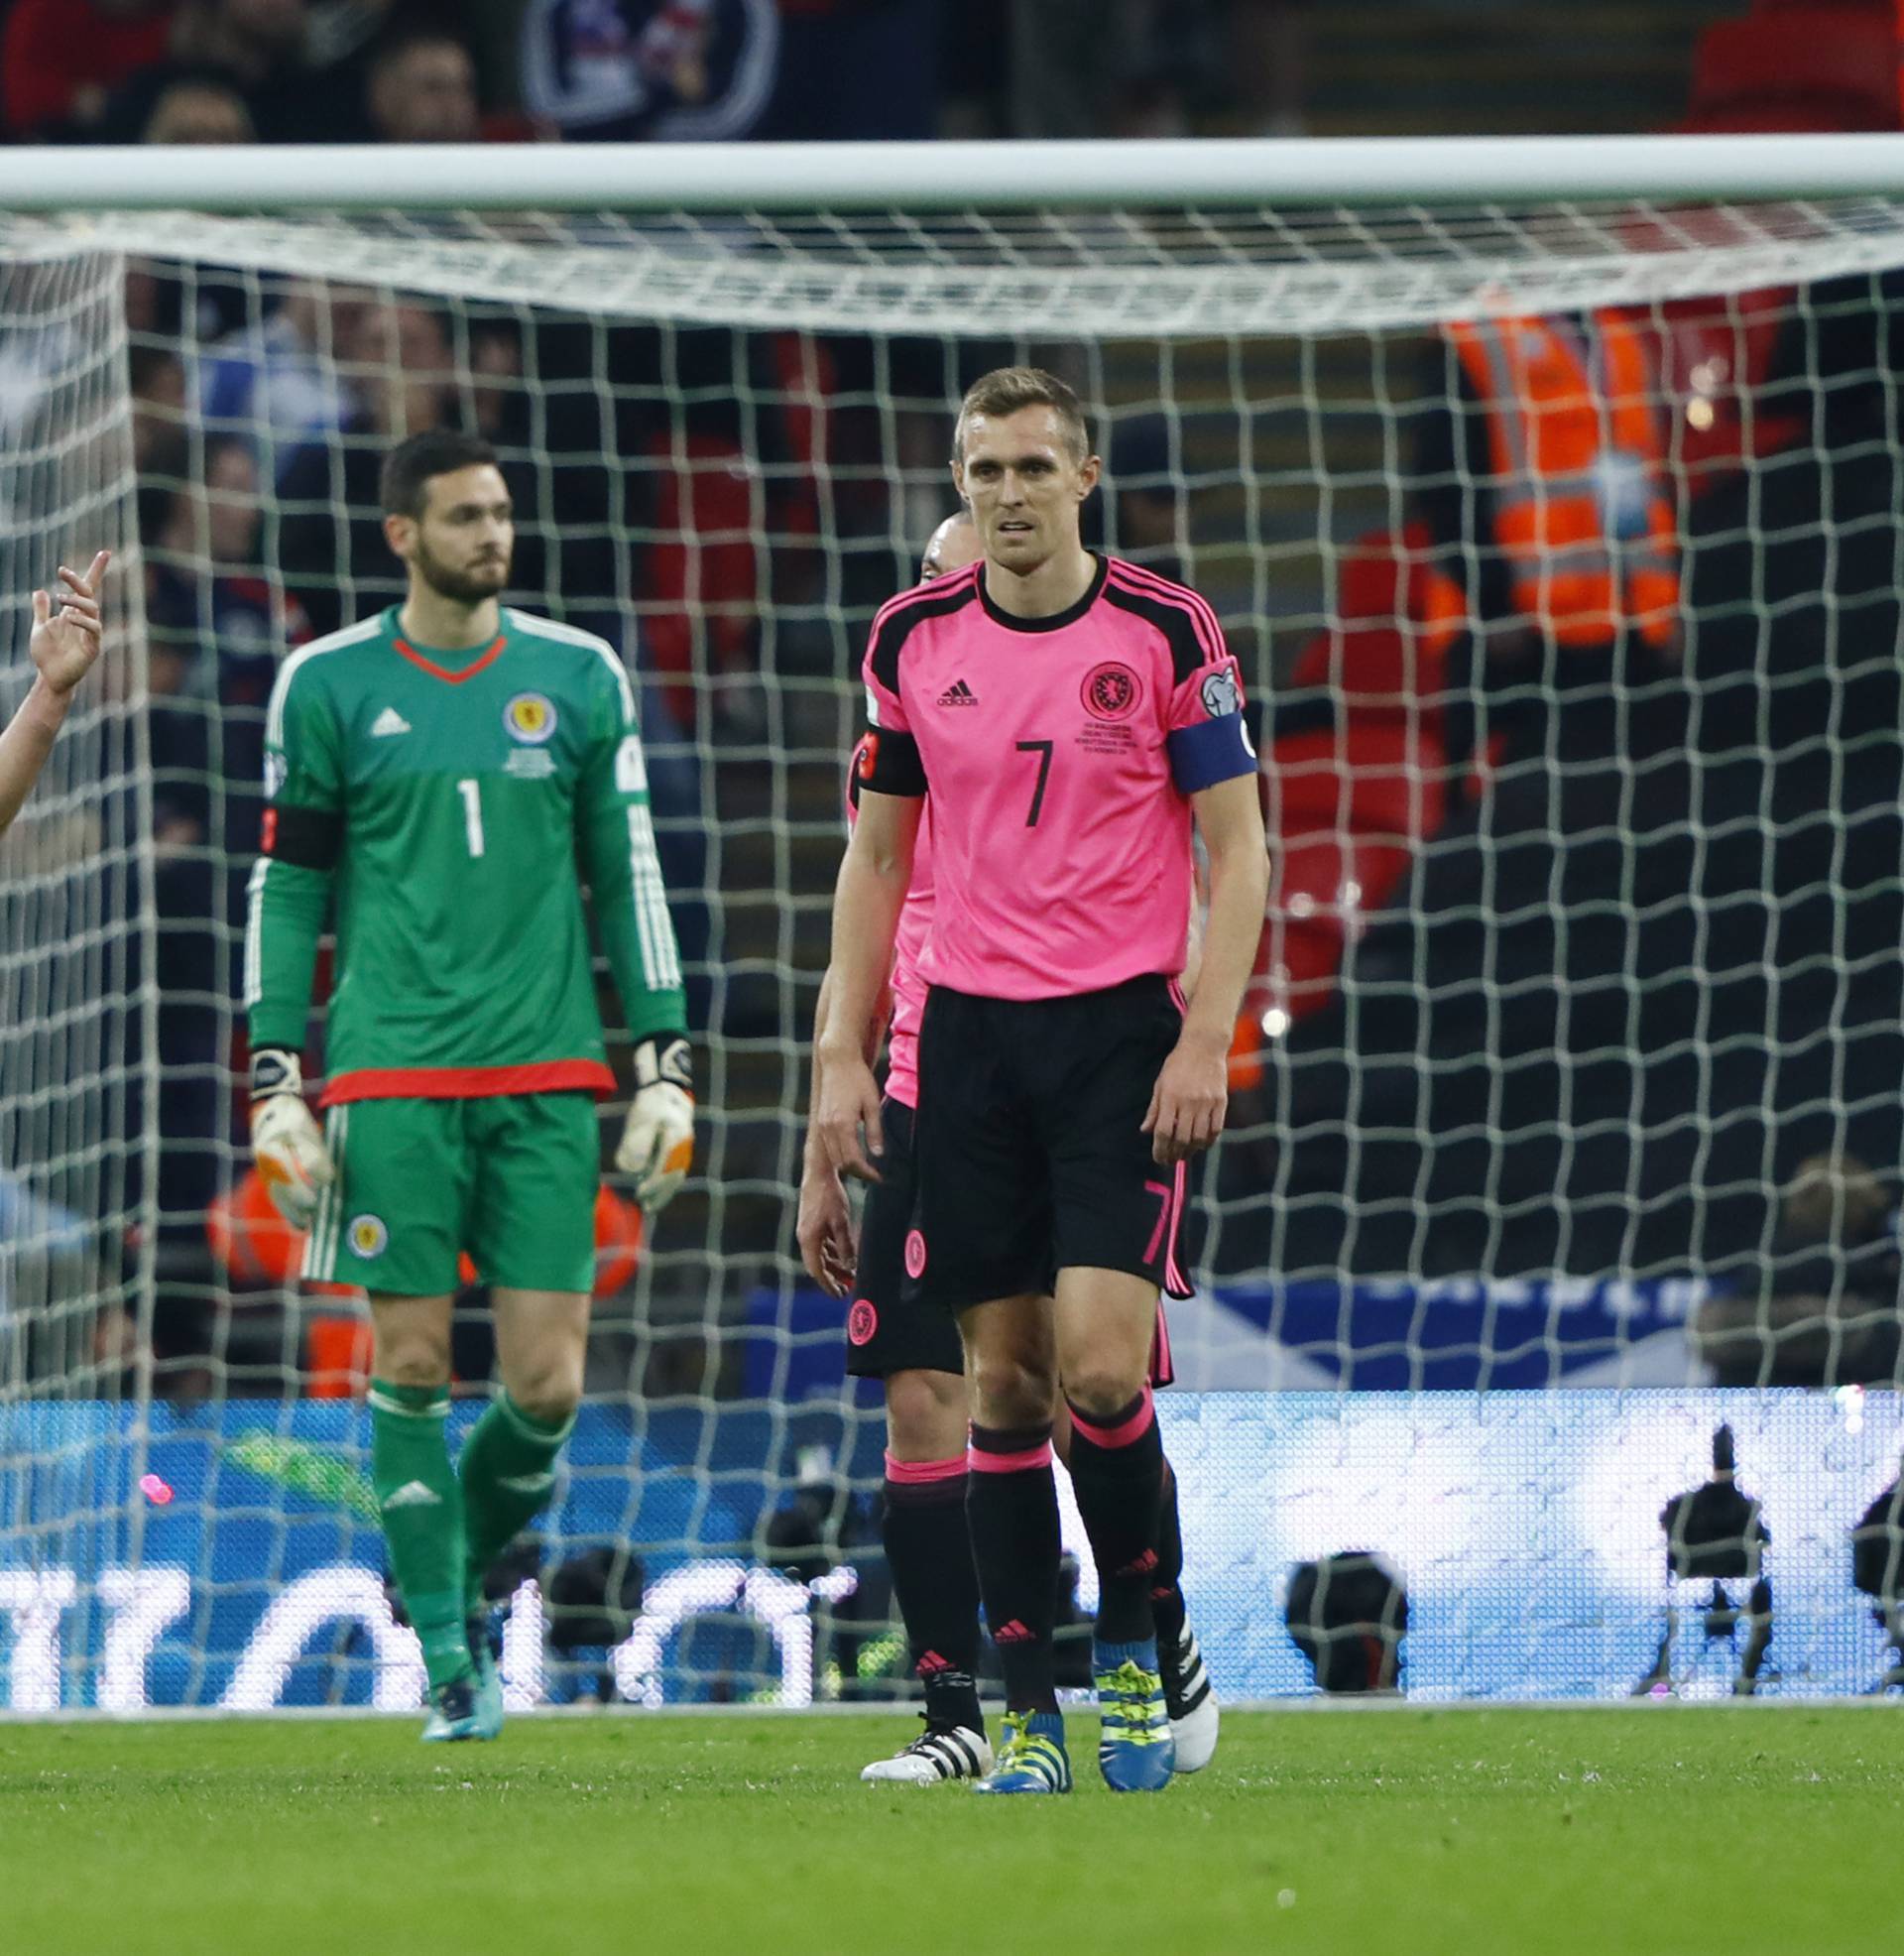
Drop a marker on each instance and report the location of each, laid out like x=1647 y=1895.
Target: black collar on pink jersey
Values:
x=1058 y=619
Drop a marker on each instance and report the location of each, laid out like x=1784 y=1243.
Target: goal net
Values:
x=77 y=1111
x=1559 y=544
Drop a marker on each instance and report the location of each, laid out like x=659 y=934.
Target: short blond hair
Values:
x=1005 y=389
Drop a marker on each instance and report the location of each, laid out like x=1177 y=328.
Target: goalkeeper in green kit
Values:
x=446 y=777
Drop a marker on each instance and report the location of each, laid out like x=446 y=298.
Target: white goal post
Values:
x=1580 y=945
x=1268 y=173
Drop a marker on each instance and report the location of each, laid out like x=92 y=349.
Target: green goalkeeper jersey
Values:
x=451 y=807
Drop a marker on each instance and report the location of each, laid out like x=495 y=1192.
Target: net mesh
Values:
x=1113 y=275
x=78 y=1049
x=77 y=1061
x=1583 y=936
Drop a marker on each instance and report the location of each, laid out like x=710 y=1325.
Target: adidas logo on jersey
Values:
x=958 y=694
x=387 y=722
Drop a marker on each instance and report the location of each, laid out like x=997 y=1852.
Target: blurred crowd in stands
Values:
x=1628 y=527
x=430 y=71
x=650 y=463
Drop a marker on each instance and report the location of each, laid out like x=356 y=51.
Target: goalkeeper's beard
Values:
x=472 y=587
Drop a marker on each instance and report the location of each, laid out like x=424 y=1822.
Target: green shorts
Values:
x=511 y=1179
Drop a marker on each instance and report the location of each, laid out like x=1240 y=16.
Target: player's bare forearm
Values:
x=824 y=1228
x=828 y=1242
x=874 y=878
x=871 y=892
x=813 y=1154
x=27 y=742
x=845 y=1096
x=1192 y=1094
x=822 y=1010
x=875 y=1031
x=1229 y=819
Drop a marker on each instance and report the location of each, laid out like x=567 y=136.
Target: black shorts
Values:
x=886 y=1331
x=1029 y=1151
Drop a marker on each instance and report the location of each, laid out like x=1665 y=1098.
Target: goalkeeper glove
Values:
x=657 y=1141
x=286 y=1141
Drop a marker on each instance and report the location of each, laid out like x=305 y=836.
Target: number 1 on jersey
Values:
x=472 y=814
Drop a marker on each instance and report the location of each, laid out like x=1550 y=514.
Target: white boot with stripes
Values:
x=1192 y=1700
x=945 y=1752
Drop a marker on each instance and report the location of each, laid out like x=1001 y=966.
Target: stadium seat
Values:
x=1797 y=68
x=1348 y=801
x=700 y=566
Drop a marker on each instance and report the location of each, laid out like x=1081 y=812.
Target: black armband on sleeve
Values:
x=309 y=838
x=890 y=764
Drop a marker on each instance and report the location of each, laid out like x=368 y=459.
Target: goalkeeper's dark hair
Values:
x=408 y=466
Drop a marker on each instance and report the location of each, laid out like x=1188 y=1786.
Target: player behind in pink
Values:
x=1071 y=716
x=825 y=1228
x=913 y=1352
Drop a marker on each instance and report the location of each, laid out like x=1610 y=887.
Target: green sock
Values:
x=508 y=1468
x=422 y=1510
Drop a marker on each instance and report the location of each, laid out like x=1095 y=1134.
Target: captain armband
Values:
x=888 y=764
x=308 y=838
x=1210 y=751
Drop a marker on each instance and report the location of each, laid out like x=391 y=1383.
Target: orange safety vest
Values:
x=1582 y=508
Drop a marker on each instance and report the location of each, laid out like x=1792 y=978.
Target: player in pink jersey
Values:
x=64 y=646
x=914 y=1350
x=1072 y=715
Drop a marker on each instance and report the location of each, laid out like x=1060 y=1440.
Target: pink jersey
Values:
x=1060 y=753
x=909 y=946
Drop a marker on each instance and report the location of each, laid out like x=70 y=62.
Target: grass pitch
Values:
x=1652 y=1830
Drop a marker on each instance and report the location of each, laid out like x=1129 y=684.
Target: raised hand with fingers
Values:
x=66 y=641
x=64 y=644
